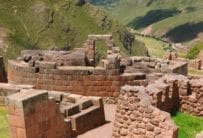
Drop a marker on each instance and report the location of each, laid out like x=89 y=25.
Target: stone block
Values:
x=72 y=109
x=85 y=103
x=46 y=65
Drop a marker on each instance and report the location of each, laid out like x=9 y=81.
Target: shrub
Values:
x=194 y=51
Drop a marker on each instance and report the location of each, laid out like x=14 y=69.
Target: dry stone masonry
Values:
x=136 y=117
x=52 y=93
x=144 y=111
x=195 y=63
x=64 y=70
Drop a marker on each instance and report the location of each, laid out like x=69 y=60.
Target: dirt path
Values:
x=105 y=130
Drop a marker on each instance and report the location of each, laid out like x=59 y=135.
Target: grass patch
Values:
x=155 y=48
x=194 y=72
x=194 y=51
x=3 y=123
x=188 y=125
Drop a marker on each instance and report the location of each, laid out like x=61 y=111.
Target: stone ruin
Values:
x=192 y=63
x=53 y=88
x=144 y=111
x=41 y=113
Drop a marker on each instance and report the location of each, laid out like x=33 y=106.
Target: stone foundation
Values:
x=152 y=65
x=195 y=63
x=175 y=92
x=100 y=81
x=38 y=113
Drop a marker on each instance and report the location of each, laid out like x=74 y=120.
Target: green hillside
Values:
x=44 y=24
x=176 y=20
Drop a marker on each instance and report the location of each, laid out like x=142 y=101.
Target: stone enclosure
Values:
x=58 y=94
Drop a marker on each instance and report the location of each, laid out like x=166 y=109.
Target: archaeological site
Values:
x=63 y=94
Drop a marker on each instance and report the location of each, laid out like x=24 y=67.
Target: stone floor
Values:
x=105 y=130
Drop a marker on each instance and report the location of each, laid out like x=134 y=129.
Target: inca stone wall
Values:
x=175 y=92
x=51 y=114
x=105 y=80
x=7 y=89
x=143 y=108
x=152 y=65
x=33 y=115
x=195 y=63
x=136 y=117
x=75 y=57
x=89 y=46
x=144 y=111
x=192 y=99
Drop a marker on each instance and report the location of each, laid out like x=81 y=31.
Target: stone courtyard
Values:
x=61 y=94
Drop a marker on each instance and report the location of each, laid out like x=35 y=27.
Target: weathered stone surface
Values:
x=143 y=119
x=36 y=113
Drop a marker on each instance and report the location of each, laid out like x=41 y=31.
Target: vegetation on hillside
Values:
x=194 y=51
x=176 y=20
x=45 y=24
x=156 y=48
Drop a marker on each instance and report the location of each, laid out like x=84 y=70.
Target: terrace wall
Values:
x=175 y=92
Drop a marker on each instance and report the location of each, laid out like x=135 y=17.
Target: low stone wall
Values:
x=195 y=64
x=176 y=92
x=136 y=117
x=9 y=89
x=38 y=113
x=33 y=115
x=76 y=57
x=152 y=65
x=83 y=113
x=192 y=101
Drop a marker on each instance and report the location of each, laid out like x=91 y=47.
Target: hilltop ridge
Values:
x=47 y=24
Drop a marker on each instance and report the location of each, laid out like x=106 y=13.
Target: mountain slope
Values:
x=175 y=20
x=44 y=24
